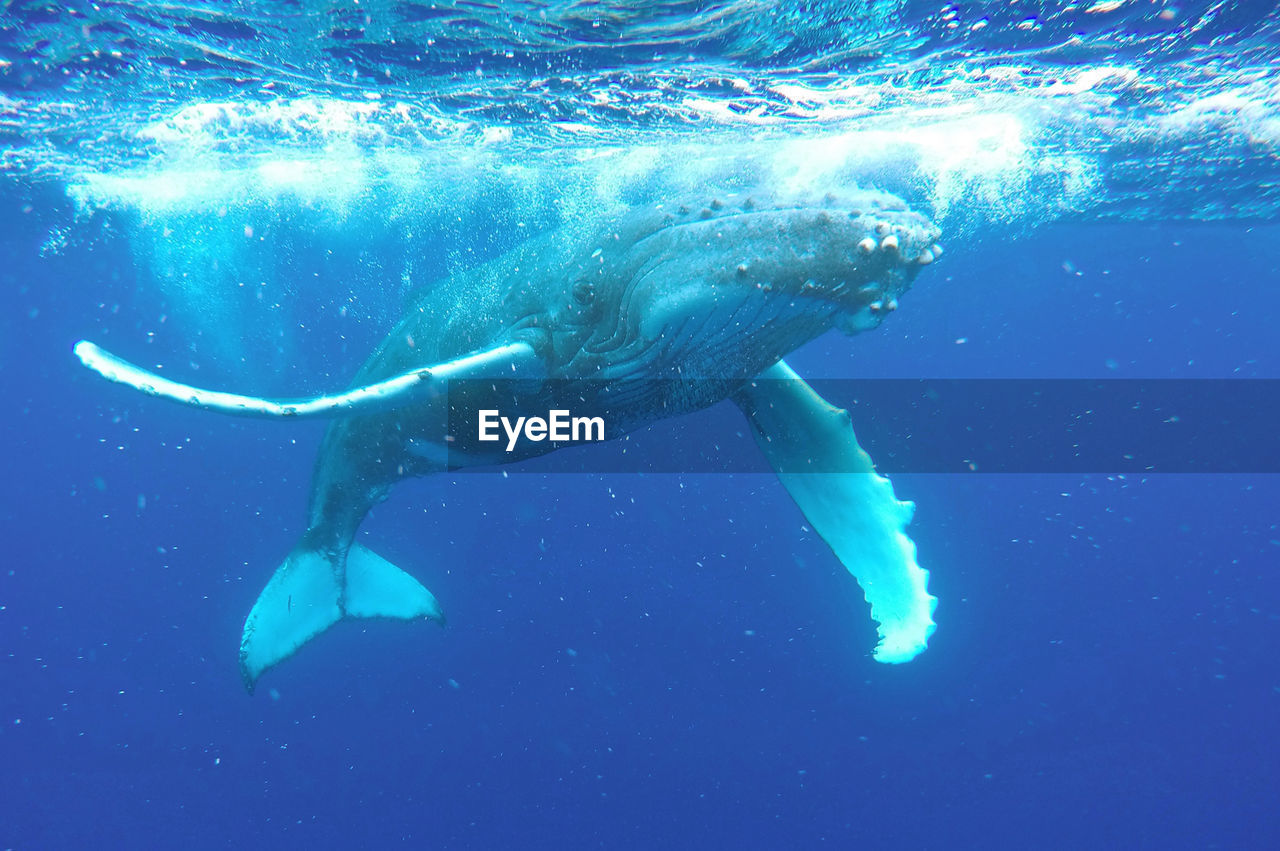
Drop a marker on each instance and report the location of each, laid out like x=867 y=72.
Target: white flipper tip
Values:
x=905 y=641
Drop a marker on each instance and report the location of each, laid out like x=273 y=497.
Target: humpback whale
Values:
x=659 y=311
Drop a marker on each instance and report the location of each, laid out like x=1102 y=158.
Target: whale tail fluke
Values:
x=313 y=590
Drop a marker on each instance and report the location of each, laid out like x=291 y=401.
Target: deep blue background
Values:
x=641 y=661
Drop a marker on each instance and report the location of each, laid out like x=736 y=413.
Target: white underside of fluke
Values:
x=311 y=592
x=851 y=506
x=510 y=360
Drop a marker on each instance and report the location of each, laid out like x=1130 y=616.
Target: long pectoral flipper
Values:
x=850 y=505
x=507 y=360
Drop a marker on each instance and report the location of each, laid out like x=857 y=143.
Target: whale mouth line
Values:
x=862 y=254
x=710 y=217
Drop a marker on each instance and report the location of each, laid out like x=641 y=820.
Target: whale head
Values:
x=729 y=286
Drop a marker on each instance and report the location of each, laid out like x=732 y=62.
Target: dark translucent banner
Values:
x=915 y=426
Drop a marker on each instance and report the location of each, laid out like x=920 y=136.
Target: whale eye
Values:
x=583 y=293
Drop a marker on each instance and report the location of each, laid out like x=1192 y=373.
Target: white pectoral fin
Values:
x=506 y=360
x=850 y=505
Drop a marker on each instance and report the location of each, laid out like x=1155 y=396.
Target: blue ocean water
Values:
x=246 y=193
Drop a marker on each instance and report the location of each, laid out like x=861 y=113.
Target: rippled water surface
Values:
x=1135 y=110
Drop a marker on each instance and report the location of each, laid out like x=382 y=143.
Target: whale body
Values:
x=660 y=311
